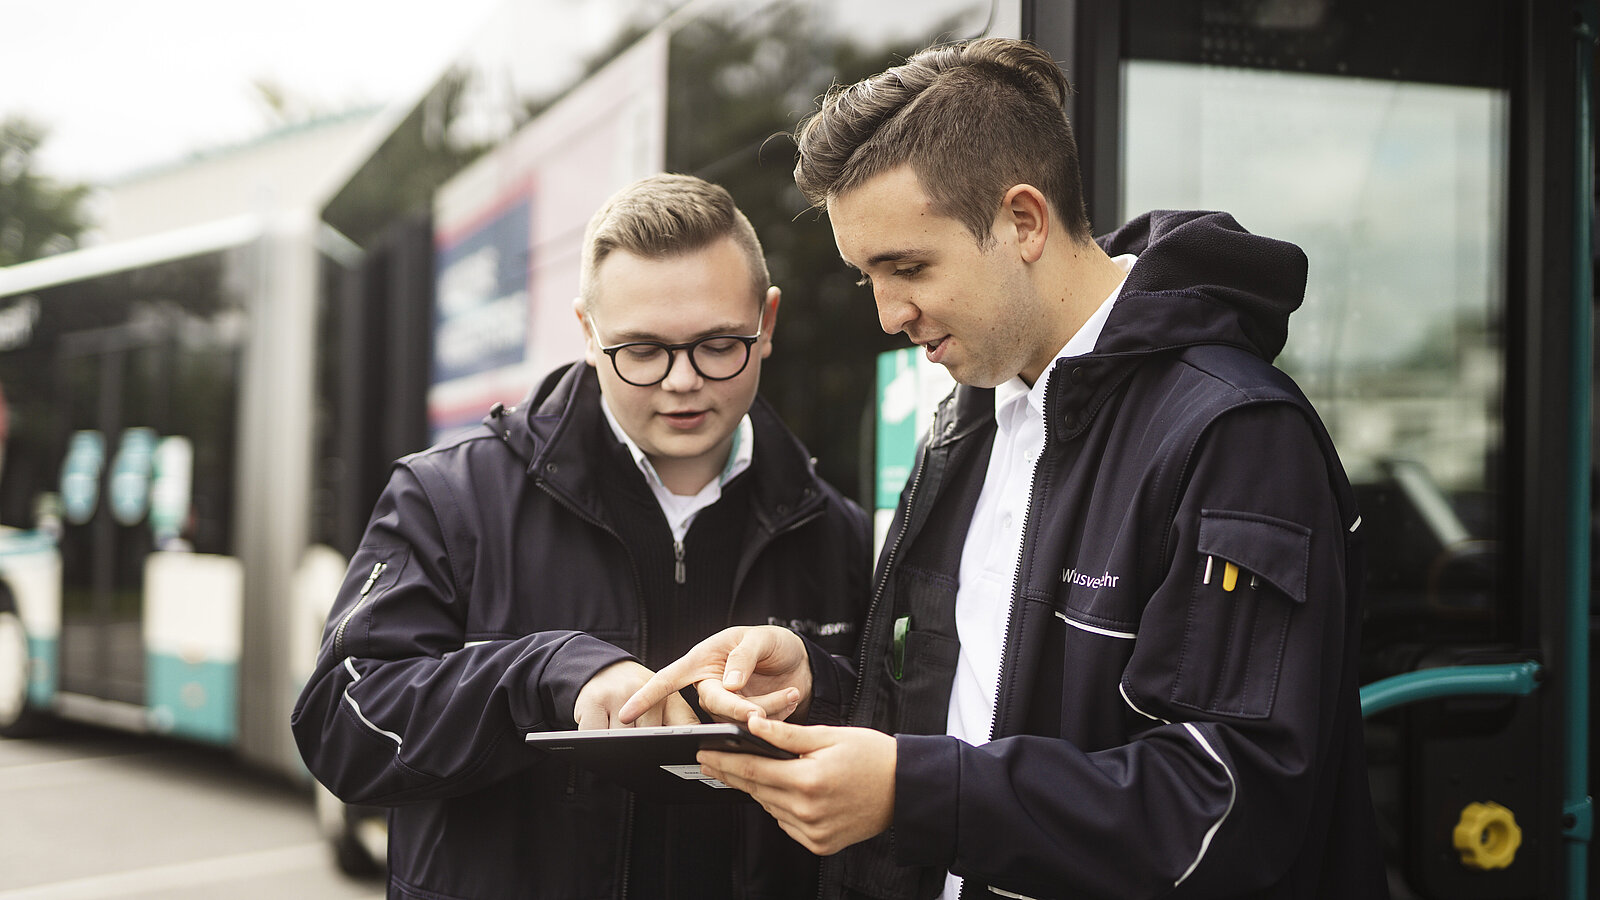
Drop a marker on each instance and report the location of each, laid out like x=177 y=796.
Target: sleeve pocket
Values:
x=1235 y=631
x=372 y=572
x=1270 y=549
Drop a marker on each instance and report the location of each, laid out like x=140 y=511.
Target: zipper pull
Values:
x=378 y=569
x=678 y=572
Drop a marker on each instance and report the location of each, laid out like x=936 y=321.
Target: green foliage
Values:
x=38 y=216
x=738 y=85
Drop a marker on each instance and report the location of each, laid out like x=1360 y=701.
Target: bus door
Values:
x=1421 y=154
x=113 y=386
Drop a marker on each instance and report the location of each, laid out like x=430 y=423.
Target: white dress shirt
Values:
x=994 y=542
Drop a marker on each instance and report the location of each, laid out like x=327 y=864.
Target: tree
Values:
x=38 y=215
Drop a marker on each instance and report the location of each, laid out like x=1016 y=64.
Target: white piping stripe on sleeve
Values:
x=1356 y=524
x=1233 y=793
x=1125 y=635
x=1123 y=690
x=350 y=666
x=995 y=890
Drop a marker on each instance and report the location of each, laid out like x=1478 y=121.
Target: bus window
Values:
x=1388 y=165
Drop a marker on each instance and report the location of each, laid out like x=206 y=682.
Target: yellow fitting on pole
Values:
x=1487 y=836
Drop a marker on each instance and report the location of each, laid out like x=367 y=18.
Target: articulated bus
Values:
x=153 y=486
x=195 y=426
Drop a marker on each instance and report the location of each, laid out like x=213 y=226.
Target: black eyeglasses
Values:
x=717 y=357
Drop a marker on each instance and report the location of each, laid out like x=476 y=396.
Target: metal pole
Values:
x=1577 y=808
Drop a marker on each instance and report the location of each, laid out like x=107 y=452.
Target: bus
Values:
x=1433 y=159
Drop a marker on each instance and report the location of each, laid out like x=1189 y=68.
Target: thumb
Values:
x=800 y=739
x=743 y=659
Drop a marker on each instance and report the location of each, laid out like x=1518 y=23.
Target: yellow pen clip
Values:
x=1230 y=576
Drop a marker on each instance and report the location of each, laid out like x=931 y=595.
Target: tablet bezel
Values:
x=656 y=761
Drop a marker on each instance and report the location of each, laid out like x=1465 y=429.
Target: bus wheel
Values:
x=17 y=719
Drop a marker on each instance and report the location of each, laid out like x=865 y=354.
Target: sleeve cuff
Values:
x=827 y=686
x=578 y=660
x=927 y=783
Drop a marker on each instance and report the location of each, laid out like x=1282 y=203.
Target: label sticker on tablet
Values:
x=693 y=773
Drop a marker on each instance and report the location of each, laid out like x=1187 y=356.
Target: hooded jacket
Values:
x=1177 y=713
x=491 y=584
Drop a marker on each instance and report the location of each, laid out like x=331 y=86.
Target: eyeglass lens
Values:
x=717 y=358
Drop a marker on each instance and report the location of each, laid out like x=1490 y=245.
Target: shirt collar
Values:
x=739 y=455
x=1081 y=342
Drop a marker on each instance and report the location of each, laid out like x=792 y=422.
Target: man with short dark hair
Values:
x=523 y=577
x=1113 y=641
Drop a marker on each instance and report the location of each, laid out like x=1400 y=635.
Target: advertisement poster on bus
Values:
x=508 y=235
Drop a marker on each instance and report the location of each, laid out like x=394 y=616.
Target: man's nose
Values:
x=681 y=373
x=894 y=312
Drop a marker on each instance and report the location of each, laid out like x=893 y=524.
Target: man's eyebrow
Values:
x=625 y=337
x=892 y=256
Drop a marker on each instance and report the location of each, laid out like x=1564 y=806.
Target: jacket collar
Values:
x=1200 y=279
x=551 y=430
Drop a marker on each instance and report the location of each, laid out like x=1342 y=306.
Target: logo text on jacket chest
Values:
x=1092 y=582
x=812 y=627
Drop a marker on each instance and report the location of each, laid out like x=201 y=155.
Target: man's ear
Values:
x=591 y=344
x=769 y=319
x=1025 y=209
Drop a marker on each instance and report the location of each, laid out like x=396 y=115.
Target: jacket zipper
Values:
x=877 y=592
x=678 y=571
x=1002 y=683
x=372 y=579
x=627 y=848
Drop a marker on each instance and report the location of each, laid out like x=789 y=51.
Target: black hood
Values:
x=534 y=422
x=1202 y=279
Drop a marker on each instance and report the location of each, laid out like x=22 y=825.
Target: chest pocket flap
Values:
x=1274 y=550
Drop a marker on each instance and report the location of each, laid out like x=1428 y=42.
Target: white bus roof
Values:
x=92 y=262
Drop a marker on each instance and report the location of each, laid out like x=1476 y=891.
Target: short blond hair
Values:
x=668 y=215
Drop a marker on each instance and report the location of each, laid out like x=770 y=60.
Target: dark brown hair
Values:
x=972 y=120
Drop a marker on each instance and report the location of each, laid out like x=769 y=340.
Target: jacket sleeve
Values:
x=1233 y=700
x=832 y=681
x=398 y=708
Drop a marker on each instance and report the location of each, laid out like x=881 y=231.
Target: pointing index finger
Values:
x=661 y=685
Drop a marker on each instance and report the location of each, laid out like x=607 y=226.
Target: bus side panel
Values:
x=30 y=566
x=193 y=612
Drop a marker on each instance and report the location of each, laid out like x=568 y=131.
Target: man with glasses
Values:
x=531 y=574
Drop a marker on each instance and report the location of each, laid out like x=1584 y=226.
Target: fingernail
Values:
x=731 y=676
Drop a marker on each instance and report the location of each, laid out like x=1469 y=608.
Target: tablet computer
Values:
x=657 y=761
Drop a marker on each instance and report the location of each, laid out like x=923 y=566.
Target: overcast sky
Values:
x=126 y=84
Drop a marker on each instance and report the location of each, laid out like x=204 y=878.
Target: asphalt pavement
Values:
x=87 y=813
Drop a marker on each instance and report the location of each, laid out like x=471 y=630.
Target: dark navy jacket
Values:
x=490 y=586
x=1156 y=734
